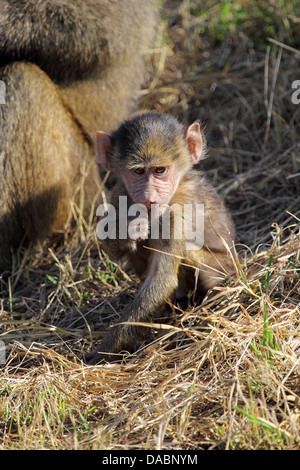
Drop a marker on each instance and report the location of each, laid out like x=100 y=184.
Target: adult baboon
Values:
x=69 y=68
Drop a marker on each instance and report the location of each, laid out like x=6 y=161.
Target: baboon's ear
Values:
x=194 y=140
x=103 y=149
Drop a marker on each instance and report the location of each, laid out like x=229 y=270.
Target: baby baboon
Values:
x=178 y=234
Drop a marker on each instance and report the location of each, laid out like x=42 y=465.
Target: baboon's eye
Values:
x=139 y=171
x=160 y=169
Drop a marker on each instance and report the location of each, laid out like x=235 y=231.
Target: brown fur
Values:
x=69 y=68
x=167 y=268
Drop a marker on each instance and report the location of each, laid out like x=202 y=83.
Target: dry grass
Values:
x=223 y=374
